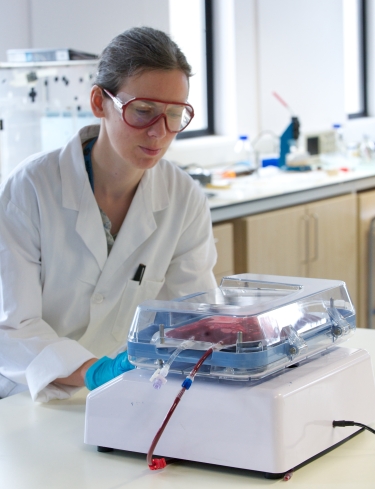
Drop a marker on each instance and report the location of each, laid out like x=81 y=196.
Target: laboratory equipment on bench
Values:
x=202 y=175
x=244 y=154
x=367 y=149
x=42 y=105
x=340 y=147
x=291 y=157
x=266 y=149
x=288 y=140
x=322 y=142
x=266 y=396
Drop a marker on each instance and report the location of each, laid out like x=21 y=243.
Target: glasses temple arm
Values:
x=116 y=101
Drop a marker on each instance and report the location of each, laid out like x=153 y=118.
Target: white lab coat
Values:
x=62 y=300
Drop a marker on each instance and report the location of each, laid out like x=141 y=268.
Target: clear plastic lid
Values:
x=258 y=324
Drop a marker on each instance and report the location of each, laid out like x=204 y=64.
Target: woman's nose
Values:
x=159 y=128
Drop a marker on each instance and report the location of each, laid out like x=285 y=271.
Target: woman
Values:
x=91 y=230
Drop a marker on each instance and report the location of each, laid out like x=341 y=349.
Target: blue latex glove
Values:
x=106 y=369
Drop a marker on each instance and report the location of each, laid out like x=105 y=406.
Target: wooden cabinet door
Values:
x=332 y=241
x=366 y=212
x=272 y=243
x=223 y=235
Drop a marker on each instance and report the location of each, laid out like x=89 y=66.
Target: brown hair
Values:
x=137 y=50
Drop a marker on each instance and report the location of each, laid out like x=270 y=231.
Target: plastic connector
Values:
x=343 y=424
x=158 y=463
x=186 y=384
x=158 y=378
x=164 y=371
x=154 y=375
x=159 y=381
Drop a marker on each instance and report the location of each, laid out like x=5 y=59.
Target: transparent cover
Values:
x=258 y=325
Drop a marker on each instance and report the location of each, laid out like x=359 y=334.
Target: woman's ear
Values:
x=97 y=101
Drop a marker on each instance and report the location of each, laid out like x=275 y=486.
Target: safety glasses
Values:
x=144 y=112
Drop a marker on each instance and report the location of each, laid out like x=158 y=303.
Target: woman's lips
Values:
x=150 y=151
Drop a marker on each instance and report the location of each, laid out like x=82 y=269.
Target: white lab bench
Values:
x=252 y=195
x=41 y=446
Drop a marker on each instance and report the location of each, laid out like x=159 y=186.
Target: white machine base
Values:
x=271 y=426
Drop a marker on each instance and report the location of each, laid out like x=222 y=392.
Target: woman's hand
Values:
x=107 y=369
x=77 y=378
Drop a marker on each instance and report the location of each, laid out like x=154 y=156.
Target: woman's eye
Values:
x=175 y=114
x=142 y=108
x=144 y=111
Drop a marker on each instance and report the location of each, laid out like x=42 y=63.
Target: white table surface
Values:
x=274 y=189
x=41 y=446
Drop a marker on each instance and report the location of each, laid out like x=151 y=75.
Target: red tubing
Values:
x=154 y=464
x=200 y=361
x=160 y=463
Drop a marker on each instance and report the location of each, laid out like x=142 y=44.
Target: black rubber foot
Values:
x=105 y=449
x=269 y=475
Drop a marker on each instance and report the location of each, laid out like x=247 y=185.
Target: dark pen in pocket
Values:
x=138 y=276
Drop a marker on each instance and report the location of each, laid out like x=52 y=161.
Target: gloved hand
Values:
x=106 y=369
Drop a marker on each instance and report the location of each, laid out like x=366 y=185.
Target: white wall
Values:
x=14 y=25
x=301 y=57
x=89 y=25
x=86 y=25
x=246 y=42
x=293 y=47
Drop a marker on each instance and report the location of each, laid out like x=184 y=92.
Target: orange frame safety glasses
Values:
x=140 y=112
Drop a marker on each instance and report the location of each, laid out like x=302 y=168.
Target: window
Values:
x=191 y=29
x=355 y=58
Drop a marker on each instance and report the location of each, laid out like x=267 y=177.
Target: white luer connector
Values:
x=159 y=376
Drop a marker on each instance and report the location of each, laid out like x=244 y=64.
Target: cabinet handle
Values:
x=306 y=220
x=315 y=218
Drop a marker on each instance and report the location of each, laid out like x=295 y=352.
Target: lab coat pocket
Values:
x=132 y=296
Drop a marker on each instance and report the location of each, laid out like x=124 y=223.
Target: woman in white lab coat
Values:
x=90 y=230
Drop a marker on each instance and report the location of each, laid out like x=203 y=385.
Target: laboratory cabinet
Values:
x=223 y=236
x=317 y=240
x=366 y=212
